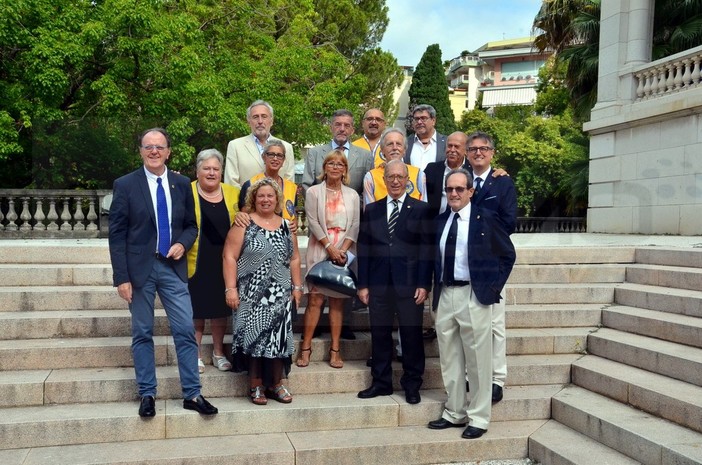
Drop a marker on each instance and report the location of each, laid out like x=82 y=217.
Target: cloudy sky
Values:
x=456 y=25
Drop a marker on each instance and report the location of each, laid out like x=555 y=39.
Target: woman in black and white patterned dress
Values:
x=261 y=272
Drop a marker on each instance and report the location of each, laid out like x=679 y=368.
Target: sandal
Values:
x=280 y=393
x=257 y=395
x=200 y=366
x=333 y=363
x=301 y=360
x=221 y=362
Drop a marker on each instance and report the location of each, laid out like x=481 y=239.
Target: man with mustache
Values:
x=373 y=127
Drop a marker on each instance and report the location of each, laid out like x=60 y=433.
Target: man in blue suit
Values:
x=395 y=249
x=474 y=259
x=152 y=225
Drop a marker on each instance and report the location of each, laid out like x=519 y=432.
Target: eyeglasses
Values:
x=149 y=148
x=483 y=149
x=375 y=119
x=336 y=164
x=458 y=190
x=395 y=177
x=277 y=155
x=421 y=119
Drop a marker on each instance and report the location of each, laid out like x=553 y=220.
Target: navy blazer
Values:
x=405 y=262
x=498 y=195
x=133 y=234
x=434 y=173
x=440 y=148
x=491 y=254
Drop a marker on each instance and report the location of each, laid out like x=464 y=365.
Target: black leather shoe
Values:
x=429 y=334
x=413 y=397
x=472 y=432
x=347 y=334
x=374 y=391
x=496 y=393
x=442 y=423
x=147 y=408
x=200 y=405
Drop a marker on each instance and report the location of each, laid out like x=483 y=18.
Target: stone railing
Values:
x=52 y=213
x=41 y=213
x=550 y=225
x=671 y=74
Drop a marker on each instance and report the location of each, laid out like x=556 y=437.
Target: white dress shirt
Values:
x=153 y=185
x=460 y=270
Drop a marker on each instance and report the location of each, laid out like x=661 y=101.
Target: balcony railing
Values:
x=669 y=75
x=39 y=213
x=52 y=213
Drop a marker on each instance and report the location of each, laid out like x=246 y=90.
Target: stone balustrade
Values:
x=52 y=213
x=671 y=74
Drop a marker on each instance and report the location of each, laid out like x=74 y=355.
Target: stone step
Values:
x=39 y=251
x=101 y=274
x=674 y=256
x=553 y=315
x=116 y=384
x=81 y=423
x=53 y=298
x=675 y=277
x=369 y=446
x=664 y=299
x=114 y=351
x=556 y=255
x=670 y=359
x=55 y=275
x=556 y=444
x=632 y=432
x=667 y=326
x=659 y=395
x=103 y=323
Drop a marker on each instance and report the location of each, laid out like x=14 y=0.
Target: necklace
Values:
x=209 y=196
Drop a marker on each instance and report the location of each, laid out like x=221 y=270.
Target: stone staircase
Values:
x=637 y=396
x=67 y=380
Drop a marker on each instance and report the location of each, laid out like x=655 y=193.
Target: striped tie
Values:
x=393 y=218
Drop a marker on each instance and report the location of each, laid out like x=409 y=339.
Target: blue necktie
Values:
x=450 y=252
x=394 y=215
x=478 y=183
x=164 y=233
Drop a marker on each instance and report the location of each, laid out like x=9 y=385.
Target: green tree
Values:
x=115 y=67
x=429 y=87
x=570 y=28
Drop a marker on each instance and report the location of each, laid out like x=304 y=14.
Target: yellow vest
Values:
x=378 y=157
x=380 y=191
x=289 y=194
x=231 y=197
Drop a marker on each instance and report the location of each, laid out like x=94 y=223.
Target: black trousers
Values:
x=383 y=307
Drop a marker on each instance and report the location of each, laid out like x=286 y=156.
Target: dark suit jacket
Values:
x=360 y=162
x=434 y=173
x=491 y=253
x=440 y=148
x=498 y=195
x=133 y=232
x=405 y=262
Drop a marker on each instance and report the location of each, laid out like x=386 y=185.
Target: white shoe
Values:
x=200 y=366
x=221 y=362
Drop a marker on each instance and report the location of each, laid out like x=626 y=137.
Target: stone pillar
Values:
x=626 y=31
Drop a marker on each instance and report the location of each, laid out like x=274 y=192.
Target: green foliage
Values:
x=429 y=87
x=92 y=75
x=539 y=153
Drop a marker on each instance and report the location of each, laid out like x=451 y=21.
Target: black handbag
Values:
x=326 y=275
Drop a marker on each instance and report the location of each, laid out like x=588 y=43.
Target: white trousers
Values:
x=464 y=334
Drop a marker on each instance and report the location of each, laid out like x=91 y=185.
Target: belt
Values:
x=455 y=283
x=160 y=257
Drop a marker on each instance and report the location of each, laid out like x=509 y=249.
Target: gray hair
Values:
x=341 y=112
x=462 y=171
x=389 y=131
x=425 y=107
x=273 y=143
x=480 y=135
x=396 y=162
x=206 y=154
x=158 y=130
x=257 y=103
